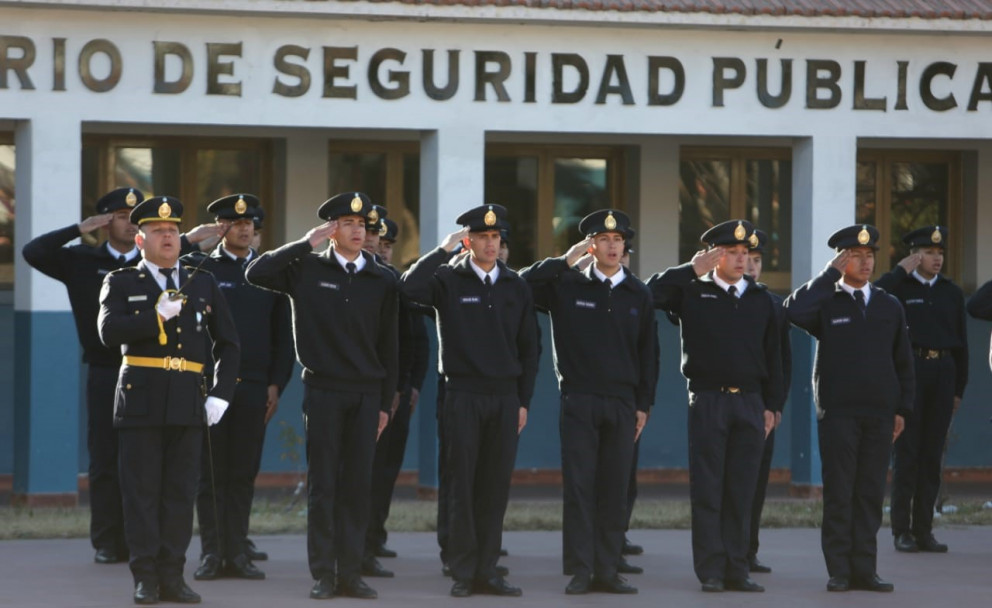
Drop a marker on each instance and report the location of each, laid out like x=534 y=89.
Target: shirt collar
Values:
x=615 y=280
x=153 y=269
x=741 y=284
x=850 y=290
x=927 y=282
x=359 y=261
x=493 y=274
x=236 y=258
x=128 y=255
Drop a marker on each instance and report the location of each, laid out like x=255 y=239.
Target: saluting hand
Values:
x=840 y=260
x=95 y=221
x=450 y=241
x=577 y=250
x=897 y=427
x=706 y=260
x=584 y=262
x=910 y=262
x=205 y=233
x=321 y=233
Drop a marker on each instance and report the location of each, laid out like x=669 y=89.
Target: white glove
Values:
x=215 y=407
x=167 y=307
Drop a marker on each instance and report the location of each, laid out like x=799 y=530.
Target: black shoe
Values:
x=873 y=583
x=753 y=565
x=615 y=584
x=743 y=584
x=107 y=556
x=178 y=592
x=906 y=543
x=838 y=583
x=625 y=567
x=323 y=589
x=502 y=570
x=928 y=544
x=446 y=570
x=630 y=548
x=253 y=553
x=503 y=552
x=145 y=593
x=461 y=589
x=372 y=567
x=384 y=551
x=241 y=567
x=579 y=585
x=356 y=588
x=209 y=570
x=497 y=585
x=713 y=585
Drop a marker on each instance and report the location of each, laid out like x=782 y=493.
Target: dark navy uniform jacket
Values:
x=128 y=321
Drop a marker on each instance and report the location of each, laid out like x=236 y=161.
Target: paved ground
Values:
x=53 y=573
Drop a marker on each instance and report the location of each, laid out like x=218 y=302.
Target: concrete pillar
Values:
x=657 y=244
x=47 y=361
x=824 y=177
x=306 y=182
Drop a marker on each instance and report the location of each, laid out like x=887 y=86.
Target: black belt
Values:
x=732 y=390
x=931 y=353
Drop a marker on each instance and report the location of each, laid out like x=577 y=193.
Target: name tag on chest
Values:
x=589 y=305
x=916 y=301
x=327 y=285
x=227 y=284
x=470 y=300
x=141 y=298
x=840 y=321
x=711 y=296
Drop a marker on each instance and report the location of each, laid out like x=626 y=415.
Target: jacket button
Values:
x=179 y=330
x=128 y=387
x=179 y=346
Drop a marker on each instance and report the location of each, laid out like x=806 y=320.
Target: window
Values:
x=390 y=174
x=195 y=170
x=6 y=211
x=899 y=191
x=718 y=184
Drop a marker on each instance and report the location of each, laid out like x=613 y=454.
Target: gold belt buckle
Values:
x=175 y=364
x=933 y=354
x=733 y=390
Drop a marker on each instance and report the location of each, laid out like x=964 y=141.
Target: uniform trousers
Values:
x=481 y=430
x=106 y=507
x=597 y=446
x=854 y=453
x=340 y=434
x=920 y=448
x=228 y=467
x=386 y=465
x=632 y=483
x=159 y=468
x=443 y=475
x=760 y=490
x=726 y=436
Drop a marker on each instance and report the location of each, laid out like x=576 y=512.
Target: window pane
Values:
x=919 y=198
x=580 y=189
x=866 y=193
x=512 y=182
x=220 y=173
x=361 y=171
x=704 y=201
x=769 y=207
x=6 y=215
x=406 y=214
x=154 y=171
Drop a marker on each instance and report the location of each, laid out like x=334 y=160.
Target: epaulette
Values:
x=123 y=270
x=195 y=270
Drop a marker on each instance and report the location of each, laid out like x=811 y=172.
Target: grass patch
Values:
x=281 y=516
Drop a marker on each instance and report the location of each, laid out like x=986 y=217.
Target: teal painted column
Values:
x=805 y=453
x=46 y=345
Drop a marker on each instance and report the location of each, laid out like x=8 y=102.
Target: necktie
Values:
x=167 y=273
x=732 y=290
x=859 y=298
x=488 y=281
x=351 y=267
x=121 y=260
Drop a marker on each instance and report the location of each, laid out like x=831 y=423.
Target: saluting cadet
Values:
x=755 y=257
x=227 y=478
x=863 y=388
x=488 y=351
x=934 y=308
x=344 y=321
x=159 y=315
x=391 y=446
x=82 y=269
x=731 y=356
x=603 y=330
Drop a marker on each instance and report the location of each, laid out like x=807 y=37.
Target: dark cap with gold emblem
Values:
x=121 y=198
x=389 y=231
x=757 y=242
x=158 y=209
x=236 y=207
x=484 y=218
x=605 y=220
x=731 y=232
x=258 y=219
x=373 y=221
x=859 y=235
x=346 y=203
x=927 y=236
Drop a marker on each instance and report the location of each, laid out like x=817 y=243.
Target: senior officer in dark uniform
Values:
x=863 y=384
x=344 y=320
x=161 y=397
x=488 y=350
x=755 y=260
x=604 y=337
x=82 y=269
x=227 y=479
x=935 y=311
x=731 y=356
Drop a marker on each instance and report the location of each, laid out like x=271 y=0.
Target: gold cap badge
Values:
x=373 y=216
x=753 y=240
x=740 y=231
x=164 y=210
x=863 y=236
x=610 y=222
x=490 y=218
x=131 y=199
x=935 y=237
x=383 y=229
x=356 y=203
x=241 y=206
